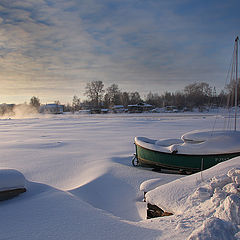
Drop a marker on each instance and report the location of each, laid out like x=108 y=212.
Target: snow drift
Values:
x=212 y=197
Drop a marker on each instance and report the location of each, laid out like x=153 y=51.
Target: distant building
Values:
x=84 y=111
x=95 y=110
x=118 y=109
x=171 y=109
x=140 y=107
x=104 y=110
x=51 y=108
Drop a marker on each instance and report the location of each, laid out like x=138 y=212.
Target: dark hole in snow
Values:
x=8 y=194
x=154 y=211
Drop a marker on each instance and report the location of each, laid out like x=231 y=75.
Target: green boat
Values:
x=192 y=153
x=195 y=151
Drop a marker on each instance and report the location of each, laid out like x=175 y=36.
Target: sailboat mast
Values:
x=236 y=83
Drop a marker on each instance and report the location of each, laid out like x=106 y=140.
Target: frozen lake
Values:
x=81 y=184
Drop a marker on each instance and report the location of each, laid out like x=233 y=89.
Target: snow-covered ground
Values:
x=81 y=185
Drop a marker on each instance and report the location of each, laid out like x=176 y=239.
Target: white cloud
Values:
x=64 y=44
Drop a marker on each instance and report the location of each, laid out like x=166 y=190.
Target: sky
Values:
x=52 y=48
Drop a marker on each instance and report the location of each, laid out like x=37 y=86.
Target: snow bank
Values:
x=151 y=184
x=214 y=229
x=11 y=179
x=173 y=196
x=212 y=197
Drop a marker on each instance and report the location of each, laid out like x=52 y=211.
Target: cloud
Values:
x=140 y=45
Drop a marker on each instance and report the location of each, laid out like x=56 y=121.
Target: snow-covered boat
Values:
x=12 y=183
x=195 y=151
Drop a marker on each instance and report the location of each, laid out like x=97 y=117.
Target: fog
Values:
x=19 y=112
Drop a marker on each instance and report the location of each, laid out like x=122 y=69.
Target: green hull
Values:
x=193 y=163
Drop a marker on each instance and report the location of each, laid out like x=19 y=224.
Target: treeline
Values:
x=196 y=95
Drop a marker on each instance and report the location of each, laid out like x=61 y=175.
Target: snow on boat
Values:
x=195 y=151
x=12 y=183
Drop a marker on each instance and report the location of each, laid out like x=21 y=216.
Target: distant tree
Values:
x=223 y=99
x=135 y=98
x=154 y=99
x=113 y=95
x=150 y=98
x=67 y=108
x=35 y=102
x=198 y=94
x=94 y=91
x=85 y=104
x=179 y=99
x=106 y=101
x=168 y=99
x=76 y=103
x=231 y=90
x=125 y=100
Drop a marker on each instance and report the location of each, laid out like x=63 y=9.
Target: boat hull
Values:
x=193 y=163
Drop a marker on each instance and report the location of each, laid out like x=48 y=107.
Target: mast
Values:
x=236 y=83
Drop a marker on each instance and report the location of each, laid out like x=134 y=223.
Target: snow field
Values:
x=80 y=182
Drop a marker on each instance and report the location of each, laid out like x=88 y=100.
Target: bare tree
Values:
x=35 y=102
x=125 y=99
x=135 y=98
x=76 y=104
x=231 y=89
x=94 y=91
x=198 y=94
x=57 y=102
x=154 y=99
x=113 y=95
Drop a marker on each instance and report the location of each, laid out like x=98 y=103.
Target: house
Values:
x=118 y=109
x=51 y=108
x=140 y=107
x=95 y=110
x=171 y=109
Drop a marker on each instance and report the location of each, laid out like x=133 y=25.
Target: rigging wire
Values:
x=229 y=79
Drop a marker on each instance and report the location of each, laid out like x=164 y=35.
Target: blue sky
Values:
x=52 y=48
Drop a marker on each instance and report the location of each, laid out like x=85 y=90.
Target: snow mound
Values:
x=150 y=184
x=214 y=229
x=211 y=197
x=11 y=179
x=229 y=210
